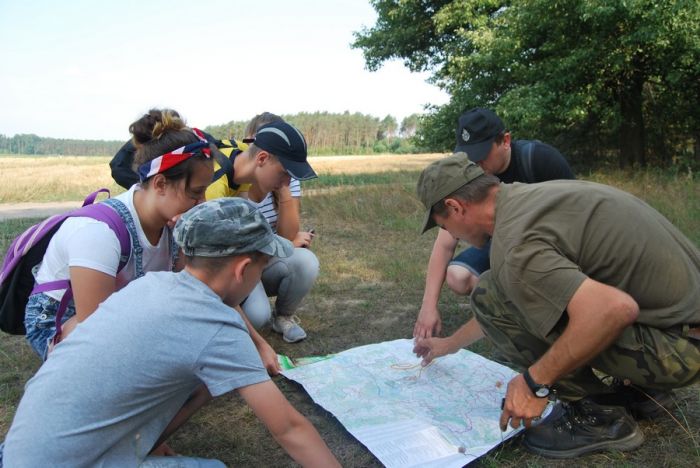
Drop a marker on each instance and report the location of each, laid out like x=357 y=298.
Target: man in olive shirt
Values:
x=582 y=276
x=484 y=137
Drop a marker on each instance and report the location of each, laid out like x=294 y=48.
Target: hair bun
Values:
x=154 y=124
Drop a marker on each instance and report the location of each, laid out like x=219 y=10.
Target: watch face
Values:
x=542 y=392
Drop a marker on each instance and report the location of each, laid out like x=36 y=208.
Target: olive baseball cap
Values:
x=228 y=226
x=441 y=178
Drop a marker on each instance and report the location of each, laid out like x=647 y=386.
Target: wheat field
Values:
x=67 y=178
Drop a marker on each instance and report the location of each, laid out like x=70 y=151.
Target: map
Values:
x=442 y=415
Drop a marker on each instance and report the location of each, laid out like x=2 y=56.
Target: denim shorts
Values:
x=40 y=321
x=474 y=259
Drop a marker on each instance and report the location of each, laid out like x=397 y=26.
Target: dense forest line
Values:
x=33 y=144
x=346 y=133
x=326 y=133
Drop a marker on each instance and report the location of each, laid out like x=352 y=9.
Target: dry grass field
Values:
x=62 y=178
x=373 y=263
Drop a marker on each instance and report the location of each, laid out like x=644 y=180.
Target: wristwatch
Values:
x=539 y=390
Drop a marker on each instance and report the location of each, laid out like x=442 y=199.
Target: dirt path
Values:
x=46 y=209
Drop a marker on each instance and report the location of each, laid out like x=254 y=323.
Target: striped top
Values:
x=267 y=206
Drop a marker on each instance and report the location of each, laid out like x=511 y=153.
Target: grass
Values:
x=373 y=264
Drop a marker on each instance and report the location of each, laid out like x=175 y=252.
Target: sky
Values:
x=87 y=69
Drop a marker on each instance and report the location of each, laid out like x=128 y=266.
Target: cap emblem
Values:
x=465 y=135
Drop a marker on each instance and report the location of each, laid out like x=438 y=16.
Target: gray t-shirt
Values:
x=550 y=237
x=108 y=391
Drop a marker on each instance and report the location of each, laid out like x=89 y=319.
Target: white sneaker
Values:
x=289 y=328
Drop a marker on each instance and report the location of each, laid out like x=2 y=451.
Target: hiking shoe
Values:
x=650 y=404
x=289 y=328
x=642 y=403
x=574 y=429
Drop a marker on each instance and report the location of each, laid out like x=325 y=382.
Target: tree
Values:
x=409 y=125
x=592 y=76
x=326 y=133
x=387 y=128
x=33 y=144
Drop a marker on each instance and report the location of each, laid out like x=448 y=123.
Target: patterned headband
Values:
x=175 y=157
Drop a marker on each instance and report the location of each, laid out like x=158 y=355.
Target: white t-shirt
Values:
x=86 y=242
x=267 y=206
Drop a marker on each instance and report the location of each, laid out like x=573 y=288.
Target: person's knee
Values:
x=460 y=280
x=257 y=307
x=304 y=265
x=258 y=316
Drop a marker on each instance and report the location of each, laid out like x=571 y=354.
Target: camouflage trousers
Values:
x=645 y=356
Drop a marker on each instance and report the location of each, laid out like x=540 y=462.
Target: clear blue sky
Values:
x=86 y=69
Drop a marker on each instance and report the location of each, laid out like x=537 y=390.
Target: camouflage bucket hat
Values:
x=441 y=178
x=228 y=226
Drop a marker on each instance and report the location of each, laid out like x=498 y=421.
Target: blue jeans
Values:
x=290 y=279
x=473 y=259
x=40 y=321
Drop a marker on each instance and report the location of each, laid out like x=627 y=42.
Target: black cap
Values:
x=476 y=131
x=288 y=145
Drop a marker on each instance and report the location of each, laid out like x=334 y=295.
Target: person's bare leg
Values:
x=460 y=280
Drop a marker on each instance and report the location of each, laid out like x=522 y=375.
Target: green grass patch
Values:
x=362 y=179
x=12 y=228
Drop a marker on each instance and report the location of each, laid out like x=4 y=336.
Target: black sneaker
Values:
x=574 y=429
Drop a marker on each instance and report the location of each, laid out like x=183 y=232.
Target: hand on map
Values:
x=431 y=348
x=520 y=406
x=269 y=358
x=428 y=323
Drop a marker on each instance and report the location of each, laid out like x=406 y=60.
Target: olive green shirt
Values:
x=549 y=237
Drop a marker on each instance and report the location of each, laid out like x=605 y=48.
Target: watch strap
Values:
x=535 y=388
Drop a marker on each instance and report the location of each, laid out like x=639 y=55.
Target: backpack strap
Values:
x=226 y=162
x=113 y=218
x=90 y=199
x=137 y=250
x=526 y=160
x=119 y=219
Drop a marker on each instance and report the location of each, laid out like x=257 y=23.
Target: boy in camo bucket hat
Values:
x=225 y=227
x=167 y=342
x=232 y=226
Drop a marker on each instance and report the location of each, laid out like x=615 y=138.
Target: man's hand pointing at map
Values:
x=431 y=348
